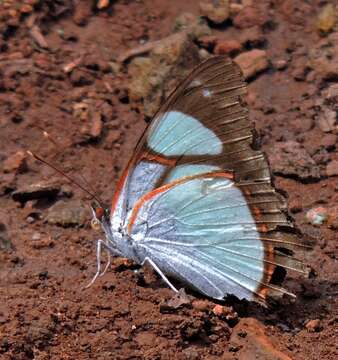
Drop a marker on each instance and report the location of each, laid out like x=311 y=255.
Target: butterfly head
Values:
x=100 y=216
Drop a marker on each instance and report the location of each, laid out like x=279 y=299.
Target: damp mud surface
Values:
x=91 y=74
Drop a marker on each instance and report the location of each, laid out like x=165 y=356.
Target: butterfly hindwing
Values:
x=201 y=230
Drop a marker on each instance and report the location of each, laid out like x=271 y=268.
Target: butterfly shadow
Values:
x=314 y=298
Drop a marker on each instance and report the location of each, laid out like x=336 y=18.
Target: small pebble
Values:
x=332 y=221
x=329 y=141
x=332 y=92
x=332 y=168
x=226 y=312
x=101 y=4
x=248 y=17
x=224 y=47
x=15 y=163
x=36 y=236
x=97 y=125
x=215 y=11
x=327 y=19
x=67 y=213
x=26 y=9
x=30 y=219
x=317 y=216
x=201 y=305
x=178 y=300
x=280 y=64
x=290 y=158
x=314 y=325
x=252 y=62
x=218 y=310
x=327 y=120
x=204 y=54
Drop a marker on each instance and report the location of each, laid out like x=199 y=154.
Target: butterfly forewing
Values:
x=197 y=192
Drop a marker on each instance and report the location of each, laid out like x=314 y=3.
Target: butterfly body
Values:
x=196 y=200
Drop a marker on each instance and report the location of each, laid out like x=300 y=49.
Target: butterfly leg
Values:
x=158 y=270
x=98 y=262
x=111 y=251
x=107 y=265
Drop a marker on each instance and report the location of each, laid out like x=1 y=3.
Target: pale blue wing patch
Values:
x=176 y=133
x=181 y=171
x=143 y=179
x=198 y=231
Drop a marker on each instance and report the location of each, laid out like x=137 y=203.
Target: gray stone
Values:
x=68 y=213
x=327 y=120
x=177 y=301
x=327 y=18
x=322 y=58
x=332 y=168
x=36 y=191
x=252 y=62
x=5 y=241
x=170 y=60
x=290 y=159
x=216 y=11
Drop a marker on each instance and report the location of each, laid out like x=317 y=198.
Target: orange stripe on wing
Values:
x=144 y=156
x=166 y=187
x=269 y=257
x=158 y=158
x=269 y=268
x=119 y=187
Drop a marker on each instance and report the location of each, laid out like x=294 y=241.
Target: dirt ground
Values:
x=66 y=68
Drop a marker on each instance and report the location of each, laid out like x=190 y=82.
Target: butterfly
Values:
x=196 y=201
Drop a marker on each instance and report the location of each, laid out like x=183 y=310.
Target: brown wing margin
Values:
x=280 y=238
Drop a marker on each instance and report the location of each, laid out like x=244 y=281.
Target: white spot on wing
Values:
x=206 y=93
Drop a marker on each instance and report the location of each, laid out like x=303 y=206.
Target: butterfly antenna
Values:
x=58 y=146
x=48 y=137
x=30 y=153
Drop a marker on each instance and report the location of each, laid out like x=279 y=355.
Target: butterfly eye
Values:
x=99 y=212
x=95 y=224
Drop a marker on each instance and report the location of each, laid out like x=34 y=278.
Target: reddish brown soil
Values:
x=44 y=311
